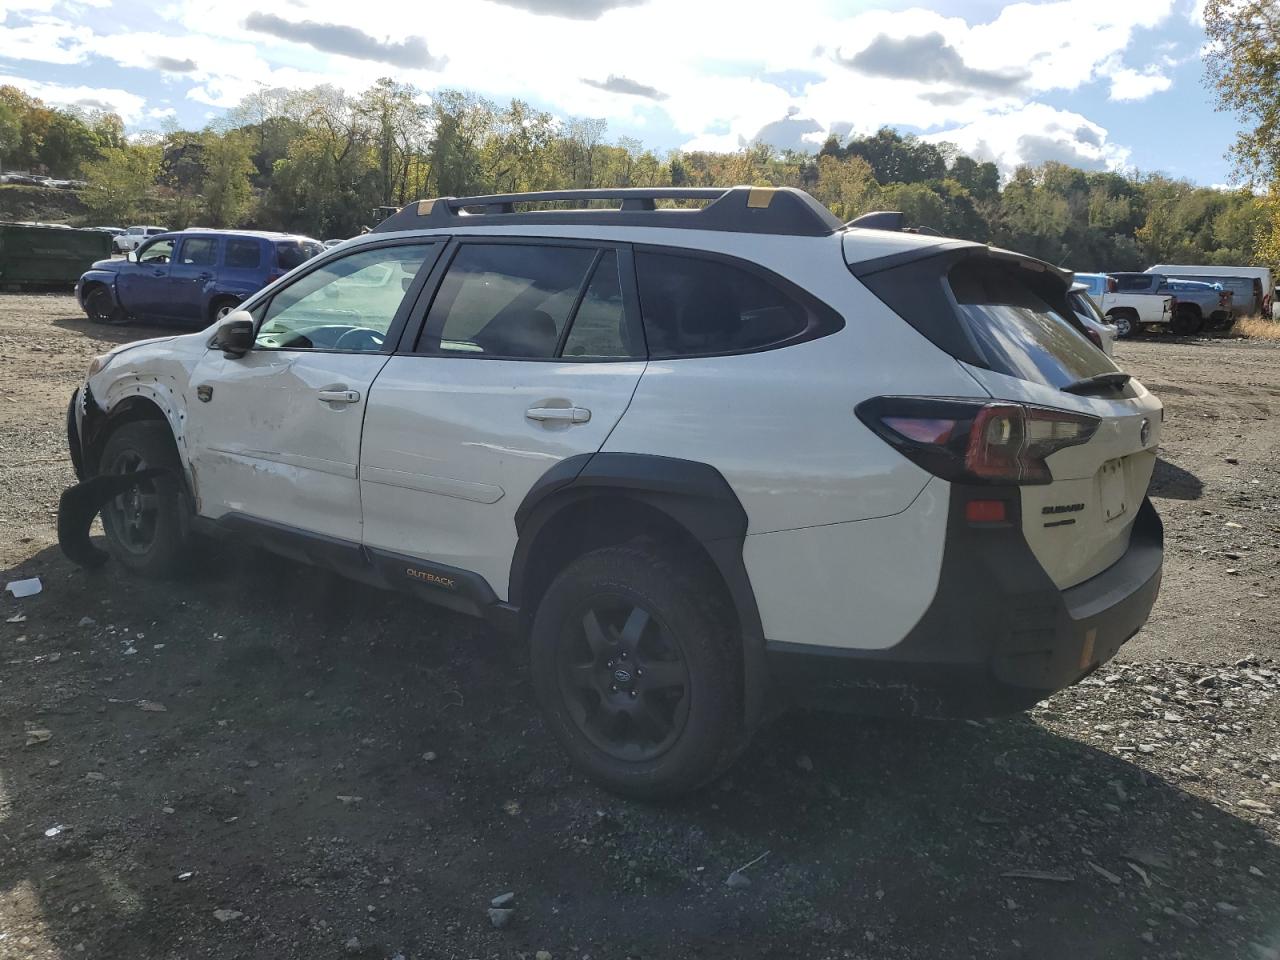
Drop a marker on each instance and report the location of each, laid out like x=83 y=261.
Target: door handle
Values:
x=205 y=276
x=157 y=273
x=339 y=396
x=559 y=414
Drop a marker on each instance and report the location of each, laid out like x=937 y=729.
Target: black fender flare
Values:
x=694 y=495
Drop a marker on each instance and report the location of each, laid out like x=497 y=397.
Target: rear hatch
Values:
x=1006 y=320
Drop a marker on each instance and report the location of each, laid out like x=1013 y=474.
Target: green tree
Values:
x=120 y=183
x=228 y=165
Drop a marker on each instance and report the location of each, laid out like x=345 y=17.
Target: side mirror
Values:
x=132 y=256
x=234 y=336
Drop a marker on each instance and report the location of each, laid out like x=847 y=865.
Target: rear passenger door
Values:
x=529 y=354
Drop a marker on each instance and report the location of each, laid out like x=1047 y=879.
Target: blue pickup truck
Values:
x=189 y=276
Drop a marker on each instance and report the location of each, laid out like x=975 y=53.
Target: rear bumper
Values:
x=998 y=637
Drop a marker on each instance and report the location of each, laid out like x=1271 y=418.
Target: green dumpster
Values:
x=48 y=256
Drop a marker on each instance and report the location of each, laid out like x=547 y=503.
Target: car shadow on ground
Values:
x=121 y=333
x=1172 y=481
x=351 y=772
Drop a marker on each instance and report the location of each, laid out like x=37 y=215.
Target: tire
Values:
x=1124 y=323
x=101 y=308
x=220 y=308
x=149 y=529
x=606 y=619
x=1186 y=323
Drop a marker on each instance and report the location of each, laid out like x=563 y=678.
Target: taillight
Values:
x=1094 y=336
x=1111 y=285
x=972 y=442
x=272 y=278
x=1224 y=299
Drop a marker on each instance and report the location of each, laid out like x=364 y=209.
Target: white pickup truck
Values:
x=1132 y=304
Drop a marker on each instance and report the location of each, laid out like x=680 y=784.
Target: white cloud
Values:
x=46 y=40
x=977 y=79
x=1127 y=84
x=128 y=105
x=1034 y=133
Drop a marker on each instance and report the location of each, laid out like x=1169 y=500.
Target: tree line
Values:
x=320 y=161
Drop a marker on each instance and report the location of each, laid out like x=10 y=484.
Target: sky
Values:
x=1100 y=84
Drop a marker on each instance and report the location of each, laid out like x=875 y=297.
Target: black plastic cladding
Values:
x=780 y=210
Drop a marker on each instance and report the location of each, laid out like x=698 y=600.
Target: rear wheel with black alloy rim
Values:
x=636 y=666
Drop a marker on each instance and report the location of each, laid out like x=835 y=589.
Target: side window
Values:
x=599 y=327
x=692 y=307
x=199 y=252
x=243 y=253
x=508 y=300
x=159 y=252
x=348 y=304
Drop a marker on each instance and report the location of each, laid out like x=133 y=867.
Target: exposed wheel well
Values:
x=128 y=410
x=603 y=520
x=1193 y=308
x=1123 y=312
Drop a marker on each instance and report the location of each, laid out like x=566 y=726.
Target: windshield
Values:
x=1083 y=304
x=293 y=253
x=1019 y=332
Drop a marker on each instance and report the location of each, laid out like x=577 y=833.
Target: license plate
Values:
x=1114 y=490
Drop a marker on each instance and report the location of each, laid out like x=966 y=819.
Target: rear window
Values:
x=1132 y=284
x=294 y=253
x=1009 y=310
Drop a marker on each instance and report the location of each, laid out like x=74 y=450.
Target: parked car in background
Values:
x=113 y=231
x=190 y=276
x=332 y=243
x=1102 y=334
x=1204 y=271
x=1095 y=284
x=1199 y=304
x=1247 y=293
x=1136 y=305
x=20 y=179
x=133 y=237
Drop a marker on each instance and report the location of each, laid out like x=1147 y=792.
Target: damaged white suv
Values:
x=702 y=460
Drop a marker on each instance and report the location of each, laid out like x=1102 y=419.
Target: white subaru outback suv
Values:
x=705 y=460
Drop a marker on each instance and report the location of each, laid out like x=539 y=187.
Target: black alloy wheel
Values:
x=623 y=678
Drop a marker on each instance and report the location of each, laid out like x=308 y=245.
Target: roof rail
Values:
x=769 y=210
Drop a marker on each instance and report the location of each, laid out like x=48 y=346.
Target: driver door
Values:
x=275 y=435
x=143 y=285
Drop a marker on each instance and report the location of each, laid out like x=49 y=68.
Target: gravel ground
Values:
x=265 y=762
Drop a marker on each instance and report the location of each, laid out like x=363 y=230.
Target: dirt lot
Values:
x=264 y=762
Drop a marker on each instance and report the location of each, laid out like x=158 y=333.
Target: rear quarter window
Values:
x=697 y=306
